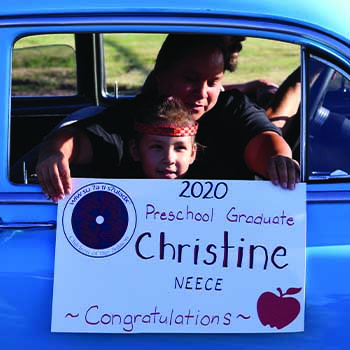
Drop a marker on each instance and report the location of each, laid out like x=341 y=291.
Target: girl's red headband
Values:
x=166 y=130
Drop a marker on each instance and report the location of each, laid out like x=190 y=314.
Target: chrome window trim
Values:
x=329 y=63
x=328 y=196
x=303 y=109
x=24 y=198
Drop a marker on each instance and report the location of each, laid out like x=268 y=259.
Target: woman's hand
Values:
x=60 y=149
x=54 y=175
x=283 y=171
x=269 y=155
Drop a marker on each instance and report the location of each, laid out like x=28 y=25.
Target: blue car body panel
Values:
x=321 y=14
x=26 y=294
x=27 y=255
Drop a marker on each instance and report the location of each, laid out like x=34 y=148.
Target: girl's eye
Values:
x=155 y=147
x=181 y=148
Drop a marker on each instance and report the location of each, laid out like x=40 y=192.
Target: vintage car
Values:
x=316 y=32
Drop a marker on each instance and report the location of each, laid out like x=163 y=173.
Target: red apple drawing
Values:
x=278 y=310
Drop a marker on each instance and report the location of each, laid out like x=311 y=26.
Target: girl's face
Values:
x=164 y=157
x=196 y=79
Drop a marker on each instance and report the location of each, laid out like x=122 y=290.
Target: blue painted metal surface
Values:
x=26 y=294
x=328 y=16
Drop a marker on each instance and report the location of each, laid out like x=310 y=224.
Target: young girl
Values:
x=163 y=143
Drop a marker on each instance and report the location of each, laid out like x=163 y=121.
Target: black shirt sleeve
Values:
x=107 y=132
x=225 y=132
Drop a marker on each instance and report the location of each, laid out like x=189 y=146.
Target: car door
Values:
x=28 y=222
x=326 y=140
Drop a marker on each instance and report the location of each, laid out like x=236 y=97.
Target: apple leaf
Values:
x=292 y=291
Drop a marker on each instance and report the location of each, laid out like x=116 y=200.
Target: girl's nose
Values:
x=170 y=156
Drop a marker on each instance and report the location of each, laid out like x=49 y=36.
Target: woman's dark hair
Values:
x=176 y=46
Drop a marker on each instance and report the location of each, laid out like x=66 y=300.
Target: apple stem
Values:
x=280 y=291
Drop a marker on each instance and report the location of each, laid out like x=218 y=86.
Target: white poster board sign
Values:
x=180 y=256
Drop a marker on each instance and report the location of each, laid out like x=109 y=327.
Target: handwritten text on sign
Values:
x=180 y=256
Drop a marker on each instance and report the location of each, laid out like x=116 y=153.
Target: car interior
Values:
x=56 y=79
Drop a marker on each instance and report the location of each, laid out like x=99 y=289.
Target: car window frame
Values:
x=307 y=55
x=277 y=31
x=87 y=76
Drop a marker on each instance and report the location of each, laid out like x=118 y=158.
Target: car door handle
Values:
x=26 y=225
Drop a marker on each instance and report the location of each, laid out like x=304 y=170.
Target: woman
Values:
x=239 y=139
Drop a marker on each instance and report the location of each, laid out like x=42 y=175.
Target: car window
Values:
x=328 y=122
x=44 y=65
x=129 y=58
x=51 y=66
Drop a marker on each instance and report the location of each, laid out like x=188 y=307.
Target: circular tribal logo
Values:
x=99 y=219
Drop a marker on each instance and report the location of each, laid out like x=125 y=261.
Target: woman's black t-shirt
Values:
x=224 y=132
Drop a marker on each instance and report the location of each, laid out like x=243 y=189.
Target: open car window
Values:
x=50 y=73
x=130 y=57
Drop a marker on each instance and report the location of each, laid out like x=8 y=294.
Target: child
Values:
x=164 y=139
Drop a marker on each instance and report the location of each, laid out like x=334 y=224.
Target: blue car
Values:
x=82 y=38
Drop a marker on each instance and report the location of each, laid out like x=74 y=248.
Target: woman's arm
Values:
x=57 y=151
